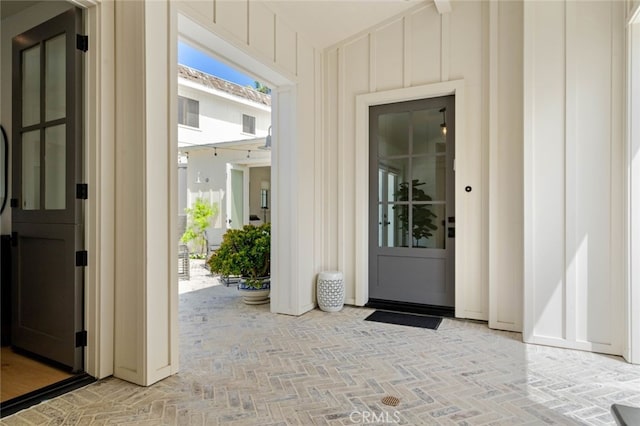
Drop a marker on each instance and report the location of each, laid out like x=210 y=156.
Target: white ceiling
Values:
x=326 y=22
x=321 y=22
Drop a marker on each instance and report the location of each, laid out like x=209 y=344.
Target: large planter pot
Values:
x=255 y=296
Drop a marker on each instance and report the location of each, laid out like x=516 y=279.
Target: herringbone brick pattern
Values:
x=241 y=365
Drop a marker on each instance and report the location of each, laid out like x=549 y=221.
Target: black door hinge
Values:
x=14 y=202
x=82 y=191
x=14 y=239
x=82 y=258
x=81 y=339
x=82 y=42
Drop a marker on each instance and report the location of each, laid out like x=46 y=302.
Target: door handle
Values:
x=5 y=168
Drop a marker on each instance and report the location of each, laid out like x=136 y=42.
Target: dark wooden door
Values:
x=47 y=211
x=412 y=211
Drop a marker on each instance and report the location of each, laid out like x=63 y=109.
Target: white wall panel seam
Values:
x=372 y=62
x=484 y=162
x=613 y=224
x=406 y=53
x=571 y=261
x=275 y=44
x=616 y=263
x=493 y=160
x=528 y=302
x=341 y=163
x=248 y=19
x=445 y=52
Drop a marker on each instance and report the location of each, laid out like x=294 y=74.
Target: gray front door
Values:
x=411 y=211
x=46 y=215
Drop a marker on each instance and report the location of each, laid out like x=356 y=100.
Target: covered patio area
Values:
x=241 y=365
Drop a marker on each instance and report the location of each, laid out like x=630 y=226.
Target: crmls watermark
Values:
x=373 y=417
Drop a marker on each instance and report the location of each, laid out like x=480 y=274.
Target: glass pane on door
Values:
x=427 y=131
x=428 y=226
x=31 y=86
x=393 y=137
x=31 y=170
x=394 y=225
x=55 y=78
x=393 y=175
x=429 y=175
x=55 y=167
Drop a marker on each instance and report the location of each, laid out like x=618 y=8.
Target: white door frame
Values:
x=99 y=159
x=464 y=276
x=631 y=351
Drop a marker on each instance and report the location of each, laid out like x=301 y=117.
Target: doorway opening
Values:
x=226 y=161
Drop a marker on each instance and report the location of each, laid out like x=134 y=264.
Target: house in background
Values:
x=222 y=132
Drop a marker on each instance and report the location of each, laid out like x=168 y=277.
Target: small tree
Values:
x=262 y=88
x=199 y=219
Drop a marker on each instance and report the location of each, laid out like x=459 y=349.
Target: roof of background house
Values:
x=214 y=82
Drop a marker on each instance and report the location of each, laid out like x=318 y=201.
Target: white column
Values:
x=145 y=247
x=632 y=350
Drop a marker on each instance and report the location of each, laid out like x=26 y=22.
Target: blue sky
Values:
x=194 y=58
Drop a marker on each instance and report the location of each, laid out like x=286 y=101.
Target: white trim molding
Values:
x=363 y=102
x=99 y=173
x=632 y=348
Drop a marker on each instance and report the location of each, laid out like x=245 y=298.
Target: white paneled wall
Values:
x=574 y=174
x=422 y=47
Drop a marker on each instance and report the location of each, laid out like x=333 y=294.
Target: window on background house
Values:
x=248 y=124
x=188 y=112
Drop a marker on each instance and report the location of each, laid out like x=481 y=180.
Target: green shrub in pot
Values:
x=246 y=253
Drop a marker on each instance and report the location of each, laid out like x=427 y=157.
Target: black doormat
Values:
x=411 y=320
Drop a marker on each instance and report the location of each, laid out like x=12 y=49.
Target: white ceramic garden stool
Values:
x=330 y=291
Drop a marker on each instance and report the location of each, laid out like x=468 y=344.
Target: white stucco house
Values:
x=546 y=157
x=222 y=132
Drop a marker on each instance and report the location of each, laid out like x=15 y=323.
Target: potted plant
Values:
x=246 y=253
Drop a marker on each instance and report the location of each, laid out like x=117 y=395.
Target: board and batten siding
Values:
x=418 y=48
x=574 y=174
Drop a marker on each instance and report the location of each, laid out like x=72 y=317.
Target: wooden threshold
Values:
x=20 y=375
